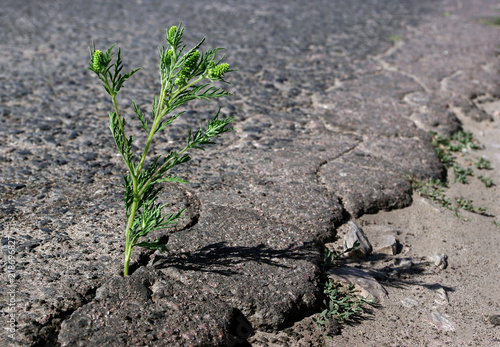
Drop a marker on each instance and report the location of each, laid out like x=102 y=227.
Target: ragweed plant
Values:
x=185 y=76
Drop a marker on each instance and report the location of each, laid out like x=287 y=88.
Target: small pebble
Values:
x=404 y=263
x=356 y=234
x=442 y=297
x=409 y=302
x=24 y=152
x=14 y=186
x=494 y=319
x=440 y=260
x=440 y=321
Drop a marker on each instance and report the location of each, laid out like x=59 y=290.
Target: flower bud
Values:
x=171 y=33
x=98 y=60
x=179 y=81
x=191 y=62
x=218 y=71
x=166 y=58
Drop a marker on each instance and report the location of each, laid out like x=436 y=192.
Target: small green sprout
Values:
x=486 y=180
x=395 y=38
x=491 y=21
x=459 y=142
x=483 y=164
x=468 y=206
x=444 y=147
x=461 y=173
x=432 y=189
x=181 y=81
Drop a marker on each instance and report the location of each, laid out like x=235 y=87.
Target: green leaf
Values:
x=140 y=117
x=163 y=124
x=123 y=78
x=160 y=244
x=174 y=179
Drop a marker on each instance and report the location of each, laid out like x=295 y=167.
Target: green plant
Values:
x=491 y=21
x=342 y=303
x=395 y=38
x=330 y=256
x=435 y=191
x=461 y=173
x=486 y=180
x=181 y=76
x=432 y=189
x=461 y=141
x=458 y=142
x=483 y=164
x=468 y=206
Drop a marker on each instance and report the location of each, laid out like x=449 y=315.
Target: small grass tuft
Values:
x=461 y=173
x=491 y=21
x=395 y=38
x=483 y=164
x=486 y=180
x=433 y=190
x=468 y=206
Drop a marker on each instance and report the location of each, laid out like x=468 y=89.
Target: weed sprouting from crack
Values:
x=432 y=189
x=445 y=148
x=184 y=76
x=341 y=302
x=344 y=303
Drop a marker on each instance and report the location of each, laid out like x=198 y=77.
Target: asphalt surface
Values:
x=331 y=120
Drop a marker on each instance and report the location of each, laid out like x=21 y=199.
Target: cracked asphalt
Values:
x=332 y=117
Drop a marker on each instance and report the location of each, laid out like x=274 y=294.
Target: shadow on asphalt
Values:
x=220 y=258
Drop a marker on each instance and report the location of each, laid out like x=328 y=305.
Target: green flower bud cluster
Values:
x=98 y=61
x=188 y=67
x=218 y=71
x=165 y=59
x=191 y=62
x=171 y=32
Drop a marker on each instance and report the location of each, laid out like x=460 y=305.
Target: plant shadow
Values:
x=226 y=260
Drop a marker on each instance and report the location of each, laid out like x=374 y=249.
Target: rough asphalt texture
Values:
x=332 y=116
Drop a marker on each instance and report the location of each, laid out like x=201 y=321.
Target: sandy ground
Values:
x=472 y=278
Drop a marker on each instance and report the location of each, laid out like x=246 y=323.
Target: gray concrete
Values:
x=331 y=119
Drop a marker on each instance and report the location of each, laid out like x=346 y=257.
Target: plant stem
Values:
x=158 y=117
x=160 y=168
x=128 y=242
x=133 y=174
